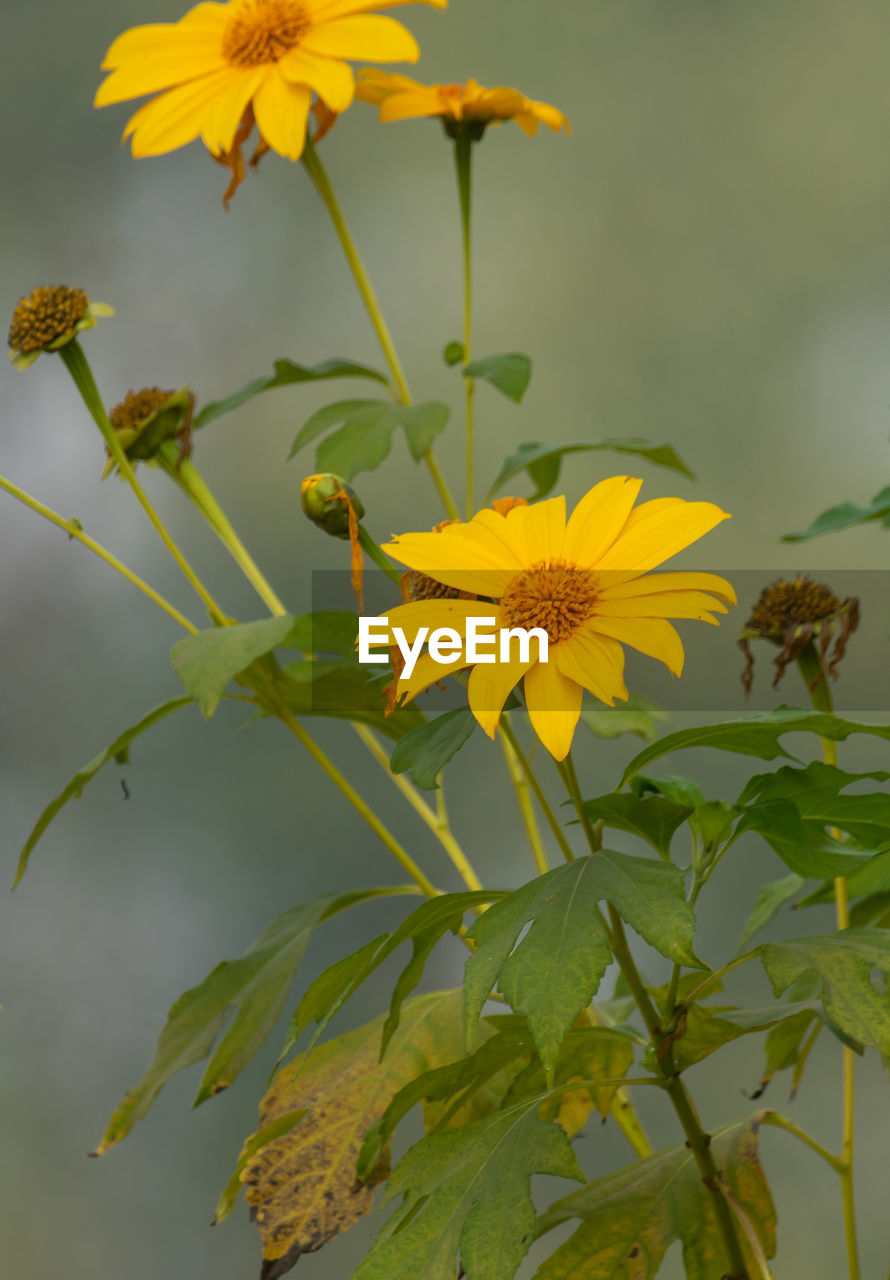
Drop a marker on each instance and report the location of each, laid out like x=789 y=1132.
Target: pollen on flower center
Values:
x=46 y=315
x=551 y=594
x=263 y=31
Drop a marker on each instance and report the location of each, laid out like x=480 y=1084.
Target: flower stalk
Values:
x=463 y=160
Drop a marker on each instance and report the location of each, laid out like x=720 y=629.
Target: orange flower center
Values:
x=263 y=31
x=551 y=594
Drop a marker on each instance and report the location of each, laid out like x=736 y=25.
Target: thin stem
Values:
x=188 y=478
x=524 y=801
x=816 y=680
x=507 y=730
x=345 y=787
x=322 y=183
x=463 y=159
x=782 y=1122
x=717 y=974
x=570 y=778
x=374 y=553
x=437 y=824
x=74 y=531
x=77 y=365
x=684 y=1108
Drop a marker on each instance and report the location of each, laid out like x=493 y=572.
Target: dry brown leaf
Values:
x=302 y=1187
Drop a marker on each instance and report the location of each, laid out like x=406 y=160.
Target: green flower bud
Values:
x=146 y=419
x=326 y=501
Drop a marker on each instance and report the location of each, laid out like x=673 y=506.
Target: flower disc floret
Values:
x=553 y=595
x=264 y=32
x=48 y=319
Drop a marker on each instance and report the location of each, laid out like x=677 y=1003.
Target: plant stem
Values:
x=74 y=531
x=374 y=553
x=77 y=365
x=437 y=823
x=816 y=680
x=322 y=183
x=782 y=1122
x=570 y=778
x=463 y=160
x=524 y=801
x=188 y=478
x=345 y=787
x=507 y=730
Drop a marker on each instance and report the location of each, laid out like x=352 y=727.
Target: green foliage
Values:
x=846 y=516
x=638 y=715
x=787 y=1045
x=206 y=663
x=287 y=373
x=364 y=436
x=424 y=752
x=754 y=735
x=771 y=897
x=708 y=1028
x=345 y=691
x=543 y=462
x=554 y=972
x=465 y=1195
x=118 y=751
x=510 y=374
x=255 y=985
x=653 y=818
x=453 y=353
x=842 y=963
x=629 y=1219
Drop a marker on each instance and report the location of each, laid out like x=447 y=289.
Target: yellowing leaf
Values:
x=302 y=1185
x=630 y=1218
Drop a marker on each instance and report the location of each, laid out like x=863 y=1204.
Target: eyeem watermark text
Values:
x=482 y=641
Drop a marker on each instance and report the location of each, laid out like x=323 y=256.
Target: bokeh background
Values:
x=706 y=261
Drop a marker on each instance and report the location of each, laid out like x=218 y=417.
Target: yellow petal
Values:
x=667 y=604
x=466 y=557
x=489 y=684
x=537 y=532
x=426 y=673
x=178 y=116
x=370 y=36
x=599 y=518
x=411 y=106
x=656 y=583
x=657 y=530
x=201 y=28
x=325 y=10
x=374 y=85
x=332 y=80
x=224 y=115
x=554 y=706
x=595 y=662
x=437 y=613
x=281 y=111
x=655 y=637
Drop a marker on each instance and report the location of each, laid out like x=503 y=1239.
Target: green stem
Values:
x=77 y=365
x=507 y=730
x=346 y=788
x=816 y=680
x=782 y=1122
x=437 y=823
x=463 y=159
x=593 y=834
x=186 y=475
x=372 y=550
x=74 y=531
x=524 y=801
x=322 y=183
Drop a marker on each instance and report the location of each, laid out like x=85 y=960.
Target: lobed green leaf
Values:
x=286 y=374
x=543 y=462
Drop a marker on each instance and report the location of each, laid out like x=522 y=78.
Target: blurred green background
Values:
x=706 y=261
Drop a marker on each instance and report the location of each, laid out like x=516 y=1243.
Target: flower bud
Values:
x=48 y=319
x=146 y=419
x=327 y=500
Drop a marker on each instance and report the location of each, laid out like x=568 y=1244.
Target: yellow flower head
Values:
x=224 y=66
x=48 y=319
x=401 y=98
x=585 y=582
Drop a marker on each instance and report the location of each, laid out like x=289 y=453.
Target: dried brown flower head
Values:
x=792 y=613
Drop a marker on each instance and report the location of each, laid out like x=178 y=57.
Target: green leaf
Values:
x=754 y=735
x=509 y=374
x=804 y=847
x=651 y=817
x=364 y=437
x=708 y=1028
x=453 y=353
x=638 y=715
x=302 y=1186
x=816 y=794
x=588 y=1054
x=556 y=969
x=286 y=374
x=630 y=1218
x=466 y=1196
x=255 y=985
x=785 y=1048
x=843 y=964
x=208 y=661
x=424 y=752
x=651 y=897
x=326 y=631
x=544 y=461
x=75 y=787
x=345 y=691
x=846 y=516
x=771 y=897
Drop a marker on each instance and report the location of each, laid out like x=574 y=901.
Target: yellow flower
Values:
x=401 y=98
x=585 y=582
x=224 y=66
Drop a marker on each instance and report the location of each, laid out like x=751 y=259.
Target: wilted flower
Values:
x=790 y=615
x=48 y=319
x=145 y=419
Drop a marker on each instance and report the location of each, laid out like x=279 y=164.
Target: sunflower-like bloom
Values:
x=224 y=66
x=584 y=581
x=401 y=98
